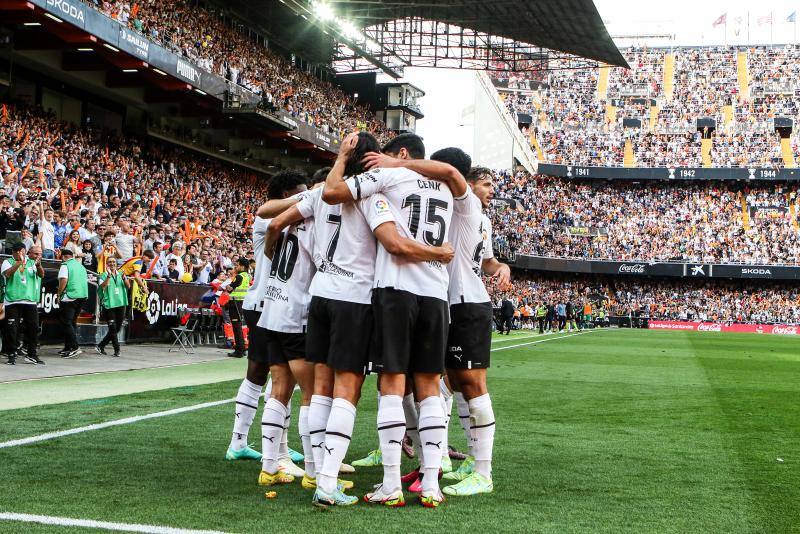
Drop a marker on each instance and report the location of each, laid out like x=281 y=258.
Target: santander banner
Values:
x=781 y=329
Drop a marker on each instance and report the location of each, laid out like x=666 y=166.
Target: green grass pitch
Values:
x=613 y=431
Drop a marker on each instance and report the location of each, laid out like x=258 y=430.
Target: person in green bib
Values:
x=73 y=289
x=541 y=316
x=23 y=277
x=114 y=288
x=238 y=289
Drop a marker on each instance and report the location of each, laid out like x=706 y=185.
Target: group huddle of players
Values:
x=375 y=268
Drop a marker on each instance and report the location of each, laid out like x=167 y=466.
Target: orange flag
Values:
x=4 y=114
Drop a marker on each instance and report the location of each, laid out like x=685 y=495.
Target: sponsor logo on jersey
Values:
x=328 y=267
x=275 y=293
x=381 y=207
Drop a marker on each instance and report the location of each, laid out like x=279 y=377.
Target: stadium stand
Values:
x=203 y=37
x=579 y=116
x=701 y=222
x=94 y=183
x=683 y=300
x=724 y=301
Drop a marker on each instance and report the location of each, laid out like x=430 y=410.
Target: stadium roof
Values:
x=571 y=26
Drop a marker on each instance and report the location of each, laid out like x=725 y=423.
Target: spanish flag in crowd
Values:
x=132 y=266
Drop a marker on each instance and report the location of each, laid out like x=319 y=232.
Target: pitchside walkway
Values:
x=90 y=375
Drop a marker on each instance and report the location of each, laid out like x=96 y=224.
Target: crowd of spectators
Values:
x=702 y=222
x=719 y=300
x=103 y=196
x=202 y=36
x=573 y=125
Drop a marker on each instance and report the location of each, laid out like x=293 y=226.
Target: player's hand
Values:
x=376 y=160
x=503 y=276
x=446 y=253
x=348 y=145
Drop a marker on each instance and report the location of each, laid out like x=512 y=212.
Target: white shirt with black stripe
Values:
x=422 y=210
x=286 y=296
x=471 y=237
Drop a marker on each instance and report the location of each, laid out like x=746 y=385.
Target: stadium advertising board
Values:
x=134 y=43
x=696 y=326
x=139 y=46
x=165 y=305
x=308 y=133
x=72 y=11
x=670 y=269
x=669 y=173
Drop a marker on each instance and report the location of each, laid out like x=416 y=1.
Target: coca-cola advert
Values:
x=695 y=326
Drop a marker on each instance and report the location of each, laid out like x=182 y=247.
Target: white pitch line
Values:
x=104 y=525
x=107 y=424
x=539 y=341
x=175 y=411
x=499 y=339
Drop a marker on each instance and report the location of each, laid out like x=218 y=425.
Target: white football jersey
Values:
x=286 y=295
x=471 y=236
x=254 y=299
x=422 y=209
x=344 y=250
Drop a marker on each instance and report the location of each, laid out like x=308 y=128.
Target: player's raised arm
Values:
x=274 y=207
x=276 y=226
x=437 y=170
x=409 y=249
x=336 y=190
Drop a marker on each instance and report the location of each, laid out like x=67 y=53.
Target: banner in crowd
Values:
x=696 y=326
x=669 y=173
x=586 y=231
x=669 y=269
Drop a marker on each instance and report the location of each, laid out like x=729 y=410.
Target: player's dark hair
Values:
x=320 y=175
x=285 y=181
x=455 y=157
x=411 y=142
x=366 y=143
x=149 y=254
x=477 y=173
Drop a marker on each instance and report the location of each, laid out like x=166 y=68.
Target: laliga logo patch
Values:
x=153 y=307
x=381 y=206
